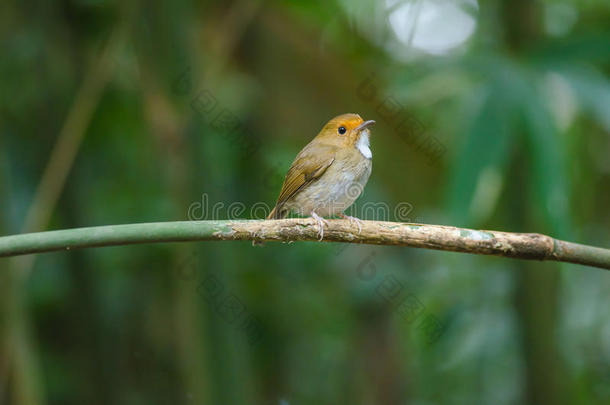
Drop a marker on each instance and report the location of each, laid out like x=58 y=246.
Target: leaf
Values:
x=592 y=90
x=550 y=182
x=486 y=148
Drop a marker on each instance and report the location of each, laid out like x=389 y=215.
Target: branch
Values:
x=529 y=246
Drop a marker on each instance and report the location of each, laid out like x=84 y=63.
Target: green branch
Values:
x=529 y=246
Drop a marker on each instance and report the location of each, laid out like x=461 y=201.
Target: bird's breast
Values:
x=338 y=187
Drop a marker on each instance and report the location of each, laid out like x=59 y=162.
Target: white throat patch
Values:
x=363 y=144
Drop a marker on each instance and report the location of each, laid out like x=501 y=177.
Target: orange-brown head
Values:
x=346 y=130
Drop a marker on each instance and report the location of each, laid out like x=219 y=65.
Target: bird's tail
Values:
x=278 y=212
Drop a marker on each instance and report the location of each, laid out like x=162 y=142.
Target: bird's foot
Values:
x=352 y=220
x=321 y=222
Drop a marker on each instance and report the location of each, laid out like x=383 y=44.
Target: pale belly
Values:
x=334 y=192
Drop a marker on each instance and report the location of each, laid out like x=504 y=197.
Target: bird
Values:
x=329 y=173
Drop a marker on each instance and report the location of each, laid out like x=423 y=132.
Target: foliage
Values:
x=215 y=98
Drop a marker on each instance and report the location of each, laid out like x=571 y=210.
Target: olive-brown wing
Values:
x=309 y=165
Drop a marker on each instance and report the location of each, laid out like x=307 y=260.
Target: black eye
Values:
x=342 y=130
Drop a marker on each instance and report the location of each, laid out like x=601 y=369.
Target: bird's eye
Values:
x=342 y=130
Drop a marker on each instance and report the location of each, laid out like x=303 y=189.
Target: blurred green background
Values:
x=122 y=112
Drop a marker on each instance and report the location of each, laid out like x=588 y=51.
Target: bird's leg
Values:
x=321 y=222
x=355 y=220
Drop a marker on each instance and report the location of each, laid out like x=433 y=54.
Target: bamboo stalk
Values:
x=530 y=246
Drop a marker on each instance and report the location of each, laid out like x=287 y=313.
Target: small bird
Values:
x=329 y=174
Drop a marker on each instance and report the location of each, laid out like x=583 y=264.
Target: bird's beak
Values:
x=364 y=125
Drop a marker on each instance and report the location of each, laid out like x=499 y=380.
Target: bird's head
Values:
x=348 y=130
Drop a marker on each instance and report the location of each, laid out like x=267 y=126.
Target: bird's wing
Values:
x=308 y=166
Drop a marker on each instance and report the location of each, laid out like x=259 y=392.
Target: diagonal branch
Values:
x=529 y=246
